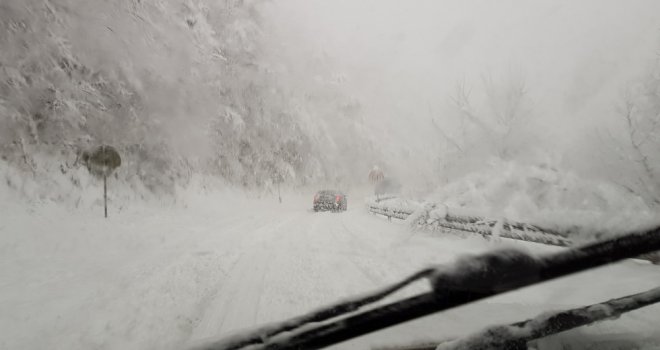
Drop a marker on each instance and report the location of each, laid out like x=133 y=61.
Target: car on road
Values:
x=330 y=200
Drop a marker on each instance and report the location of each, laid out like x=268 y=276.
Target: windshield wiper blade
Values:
x=517 y=335
x=470 y=279
x=240 y=341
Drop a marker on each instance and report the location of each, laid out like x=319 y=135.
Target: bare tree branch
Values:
x=462 y=102
x=447 y=137
x=632 y=130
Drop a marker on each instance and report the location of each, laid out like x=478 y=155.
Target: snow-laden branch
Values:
x=436 y=216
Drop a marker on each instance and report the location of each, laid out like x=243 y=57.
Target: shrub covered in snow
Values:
x=544 y=196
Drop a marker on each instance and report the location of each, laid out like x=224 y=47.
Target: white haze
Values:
x=223 y=109
x=403 y=60
x=318 y=91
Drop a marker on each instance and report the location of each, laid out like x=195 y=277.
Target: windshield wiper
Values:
x=469 y=279
x=323 y=314
x=517 y=335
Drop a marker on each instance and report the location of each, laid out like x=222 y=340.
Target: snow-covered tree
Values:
x=179 y=87
x=492 y=125
x=629 y=150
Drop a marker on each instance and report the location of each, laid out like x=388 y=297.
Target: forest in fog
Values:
x=256 y=93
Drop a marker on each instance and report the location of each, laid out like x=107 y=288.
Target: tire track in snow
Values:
x=311 y=268
x=147 y=295
x=236 y=303
x=352 y=242
x=306 y=261
x=384 y=261
x=177 y=290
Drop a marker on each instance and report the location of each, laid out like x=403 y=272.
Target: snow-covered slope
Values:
x=178 y=87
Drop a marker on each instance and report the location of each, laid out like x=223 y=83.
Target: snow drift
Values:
x=545 y=196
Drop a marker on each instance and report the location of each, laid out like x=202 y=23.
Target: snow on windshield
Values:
x=159 y=161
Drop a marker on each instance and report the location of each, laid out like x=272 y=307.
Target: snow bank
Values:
x=75 y=187
x=547 y=197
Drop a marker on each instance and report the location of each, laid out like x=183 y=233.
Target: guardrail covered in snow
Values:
x=438 y=217
x=385 y=206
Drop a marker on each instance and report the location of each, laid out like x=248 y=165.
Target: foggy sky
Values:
x=403 y=59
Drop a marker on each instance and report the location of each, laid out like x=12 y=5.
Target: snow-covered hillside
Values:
x=178 y=87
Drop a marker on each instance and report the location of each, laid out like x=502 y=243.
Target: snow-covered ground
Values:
x=171 y=276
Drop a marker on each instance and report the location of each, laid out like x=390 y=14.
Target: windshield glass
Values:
x=175 y=172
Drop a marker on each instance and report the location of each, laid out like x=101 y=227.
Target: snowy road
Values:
x=167 y=278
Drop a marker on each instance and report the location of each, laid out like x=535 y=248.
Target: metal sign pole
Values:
x=105 y=181
x=101 y=162
x=105 y=195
